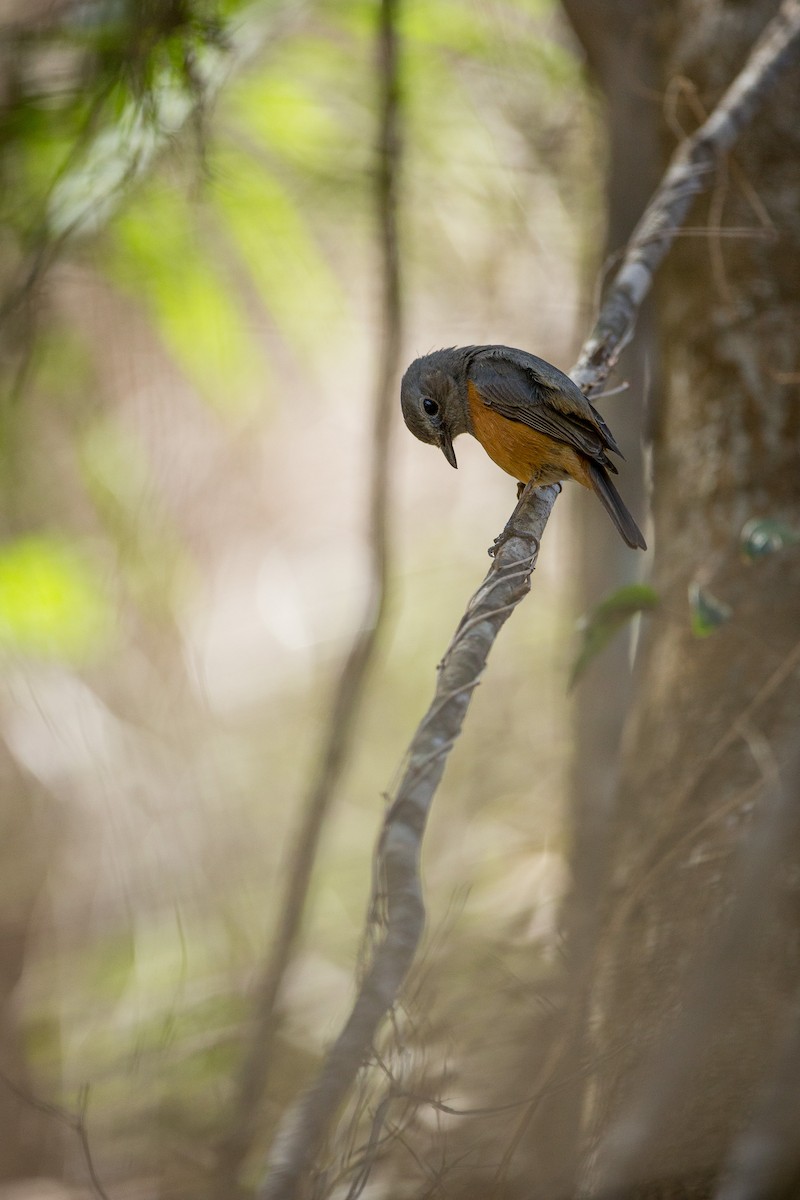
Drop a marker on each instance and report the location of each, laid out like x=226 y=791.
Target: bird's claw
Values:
x=510 y=531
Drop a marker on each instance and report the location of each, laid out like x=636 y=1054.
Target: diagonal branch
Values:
x=398 y=852
x=690 y=172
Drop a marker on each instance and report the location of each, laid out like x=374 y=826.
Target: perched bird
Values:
x=530 y=418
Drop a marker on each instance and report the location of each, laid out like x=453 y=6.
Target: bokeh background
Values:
x=194 y=325
x=190 y=372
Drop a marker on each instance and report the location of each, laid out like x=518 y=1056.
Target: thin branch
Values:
x=688 y=175
x=338 y=737
x=74 y=1122
x=305 y=1126
x=370 y=1153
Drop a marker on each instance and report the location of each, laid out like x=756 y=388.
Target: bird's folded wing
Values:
x=515 y=392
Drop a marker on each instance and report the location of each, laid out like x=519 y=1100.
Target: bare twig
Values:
x=350 y=687
x=305 y=1126
x=688 y=175
x=371 y=1150
x=74 y=1122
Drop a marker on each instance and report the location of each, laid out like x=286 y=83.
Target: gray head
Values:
x=433 y=396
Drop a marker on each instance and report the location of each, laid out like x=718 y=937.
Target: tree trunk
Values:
x=700 y=959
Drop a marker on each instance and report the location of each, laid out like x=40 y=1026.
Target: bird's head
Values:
x=434 y=401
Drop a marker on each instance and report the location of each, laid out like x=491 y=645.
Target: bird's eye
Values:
x=430 y=406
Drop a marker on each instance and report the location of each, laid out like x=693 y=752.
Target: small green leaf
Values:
x=599 y=627
x=765 y=535
x=708 y=612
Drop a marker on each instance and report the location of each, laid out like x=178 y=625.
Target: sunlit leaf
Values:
x=708 y=613
x=52 y=600
x=609 y=616
x=766 y=535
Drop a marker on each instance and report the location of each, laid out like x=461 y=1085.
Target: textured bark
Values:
x=690 y=1002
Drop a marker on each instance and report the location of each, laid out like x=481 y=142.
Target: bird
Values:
x=531 y=419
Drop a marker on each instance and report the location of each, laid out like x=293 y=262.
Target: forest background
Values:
x=194 y=263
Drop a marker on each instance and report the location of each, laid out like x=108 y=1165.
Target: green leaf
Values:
x=52 y=600
x=708 y=612
x=609 y=616
x=766 y=535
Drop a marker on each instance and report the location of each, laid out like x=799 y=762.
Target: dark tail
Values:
x=614 y=506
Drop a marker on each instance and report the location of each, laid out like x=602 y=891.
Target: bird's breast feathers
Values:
x=521 y=451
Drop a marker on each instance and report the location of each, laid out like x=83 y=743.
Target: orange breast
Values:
x=521 y=451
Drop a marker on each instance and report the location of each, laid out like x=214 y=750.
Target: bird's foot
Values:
x=511 y=528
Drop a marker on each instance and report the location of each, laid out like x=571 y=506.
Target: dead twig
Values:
x=688 y=175
x=75 y=1122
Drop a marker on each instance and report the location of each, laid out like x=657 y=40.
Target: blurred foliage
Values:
x=707 y=611
x=766 y=535
x=297 y=135
x=606 y=618
x=154 y=567
x=187 y=267
x=80 y=78
x=52 y=600
x=158 y=256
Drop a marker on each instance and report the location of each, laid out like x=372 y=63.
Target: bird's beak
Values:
x=446 y=445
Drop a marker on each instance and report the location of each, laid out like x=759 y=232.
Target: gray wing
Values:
x=524 y=388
